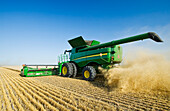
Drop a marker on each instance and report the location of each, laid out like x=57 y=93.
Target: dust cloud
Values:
x=141 y=71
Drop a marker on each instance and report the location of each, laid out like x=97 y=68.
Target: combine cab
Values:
x=86 y=56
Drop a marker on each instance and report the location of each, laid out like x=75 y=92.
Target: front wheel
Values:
x=74 y=70
x=67 y=70
x=89 y=73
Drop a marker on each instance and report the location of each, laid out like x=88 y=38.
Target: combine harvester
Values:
x=85 y=57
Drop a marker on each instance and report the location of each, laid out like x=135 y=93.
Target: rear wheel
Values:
x=89 y=73
x=74 y=70
x=67 y=70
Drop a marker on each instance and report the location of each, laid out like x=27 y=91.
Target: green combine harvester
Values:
x=85 y=57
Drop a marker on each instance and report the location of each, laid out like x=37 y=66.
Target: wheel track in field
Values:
x=23 y=88
x=83 y=96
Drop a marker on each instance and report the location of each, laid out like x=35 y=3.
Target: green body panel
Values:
x=40 y=73
x=100 y=56
x=94 y=42
x=83 y=58
x=117 y=56
x=60 y=67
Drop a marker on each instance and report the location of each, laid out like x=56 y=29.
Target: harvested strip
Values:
x=30 y=106
x=28 y=95
x=7 y=102
x=42 y=95
x=38 y=90
x=62 y=92
x=13 y=97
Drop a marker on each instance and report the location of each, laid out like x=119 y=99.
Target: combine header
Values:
x=28 y=71
x=86 y=56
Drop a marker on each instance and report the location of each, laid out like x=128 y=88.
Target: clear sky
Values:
x=36 y=31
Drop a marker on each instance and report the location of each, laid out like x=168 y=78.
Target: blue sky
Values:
x=36 y=31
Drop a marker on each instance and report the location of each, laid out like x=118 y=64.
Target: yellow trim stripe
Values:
x=90 y=56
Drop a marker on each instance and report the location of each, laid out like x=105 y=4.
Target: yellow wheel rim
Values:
x=64 y=70
x=86 y=74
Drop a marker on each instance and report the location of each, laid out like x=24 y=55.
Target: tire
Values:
x=22 y=74
x=89 y=73
x=67 y=70
x=74 y=70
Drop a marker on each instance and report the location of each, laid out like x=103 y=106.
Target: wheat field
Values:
x=55 y=93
